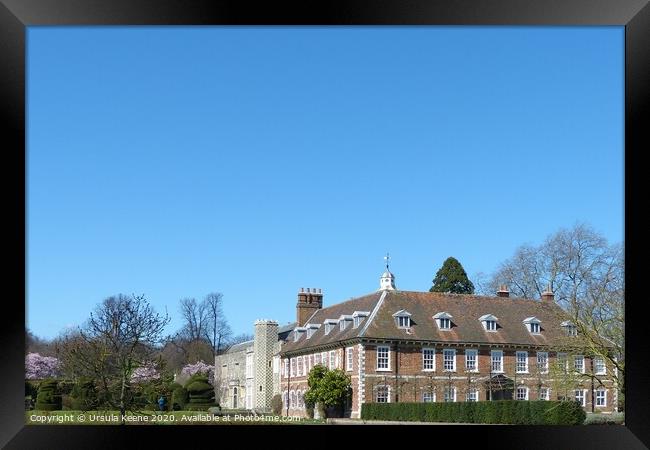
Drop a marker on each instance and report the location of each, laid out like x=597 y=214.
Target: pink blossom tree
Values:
x=145 y=374
x=38 y=367
x=199 y=367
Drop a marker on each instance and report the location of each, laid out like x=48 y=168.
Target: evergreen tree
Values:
x=452 y=278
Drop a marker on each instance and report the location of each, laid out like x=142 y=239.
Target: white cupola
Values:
x=387 y=280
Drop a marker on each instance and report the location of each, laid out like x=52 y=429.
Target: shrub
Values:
x=276 y=404
x=30 y=389
x=200 y=393
x=605 y=419
x=502 y=411
x=48 y=398
x=179 y=398
x=84 y=395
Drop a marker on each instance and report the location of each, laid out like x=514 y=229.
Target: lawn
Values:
x=155 y=418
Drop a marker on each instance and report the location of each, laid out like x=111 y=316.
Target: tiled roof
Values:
x=464 y=309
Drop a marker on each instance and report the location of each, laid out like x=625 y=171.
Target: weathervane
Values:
x=387 y=258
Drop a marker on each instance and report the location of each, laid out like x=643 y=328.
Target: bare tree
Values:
x=218 y=326
x=586 y=274
x=120 y=336
x=243 y=337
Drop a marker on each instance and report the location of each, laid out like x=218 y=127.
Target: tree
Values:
x=120 y=336
x=243 y=337
x=586 y=275
x=199 y=368
x=452 y=278
x=35 y=344
x=217 y=323
x=38 y=367
x=327 y=387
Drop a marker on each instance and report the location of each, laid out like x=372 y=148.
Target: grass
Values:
x=158 y=418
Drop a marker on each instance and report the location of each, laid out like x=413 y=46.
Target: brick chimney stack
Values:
x=310 y=300
x=547 y=295
x=503 y=291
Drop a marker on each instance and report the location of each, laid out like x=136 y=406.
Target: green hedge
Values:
x=48 y=398
x=200 y=393
x=516 y=412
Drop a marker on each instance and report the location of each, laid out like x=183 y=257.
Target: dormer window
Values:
x=403 y=319
x=344 y=320
x=443 y=320
x=569 y=328
x=311 y=329
x=532 y=324
x=489 y=322
x=357 y=318
x=297 y=333
x=329 y=325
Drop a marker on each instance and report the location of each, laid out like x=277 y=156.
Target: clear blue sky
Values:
x=254 y=161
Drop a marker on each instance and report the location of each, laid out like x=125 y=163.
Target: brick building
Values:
x=405 y=346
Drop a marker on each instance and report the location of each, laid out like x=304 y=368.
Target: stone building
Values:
x=247 y=374
x=406 y=346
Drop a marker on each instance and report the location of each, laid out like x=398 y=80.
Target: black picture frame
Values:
x=16 y=15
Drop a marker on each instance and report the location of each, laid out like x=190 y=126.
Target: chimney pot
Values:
x=503 y=291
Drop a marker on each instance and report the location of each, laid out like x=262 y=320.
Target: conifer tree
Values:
x=452 y=278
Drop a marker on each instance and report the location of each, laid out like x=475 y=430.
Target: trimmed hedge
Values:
x=48 y=398
x=84 y=395
x=515 y=412
x=200 y=393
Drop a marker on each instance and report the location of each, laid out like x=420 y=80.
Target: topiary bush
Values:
x=179 y=398
x=48 y=398
x=276 y=404
x=84 y=395
x=200 y=393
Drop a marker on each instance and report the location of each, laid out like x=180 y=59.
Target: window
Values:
x=333 y=359
x=542 y=362
x=450 y=394
x=532 y=324
x=449 y=360
x=383 y=394
x=357 y=321
x=343 y=322
x=348 y=358
x=323 y=359
x=300 y=399
x=299 y=368
x=543 y=393
x=569 y=328
x=316 y=359
x=522 y=393
x=286 y=368
x=428 y=359
x=328 y=327
x=357 y=317
x=579 y=363
x=599 y=366
x=293 y=400
x=580 y=397
x=428 y=397
x=522 y=362
x=497 y=361
x=404 y=322
x=310 y=332
x=285 y=399
x=471 y=357
x=443 y=319
x=601 y=397
x=472 y=395
x=293 y=367
x=489 y=322
x=562 y=361
x=382 y=358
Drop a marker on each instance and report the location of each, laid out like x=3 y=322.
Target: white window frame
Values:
x=577 y=358
x=381 y=349
x=525 y=389
x=493 y=354
x=472 y=392
x=600 y=361
x=582 y=398
x=473 y=352
x=445 y=323
x=299 y=364
x=534 y=328
x=403 y=322
x=316 y=359
x=431 y=359
x=332 y=360
x=293 y=367
x=447 y=389
x=323 y=359
x=491 y=325
x=547 y=393
x=292 y=399
x=517 y=361
x=357 y=321
x=349 y=361
x=542 y=368
x=562 y=357
x=430 y=394
x=604 y=398
x=286 y=368
x=381 y=388
x=445 y=360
